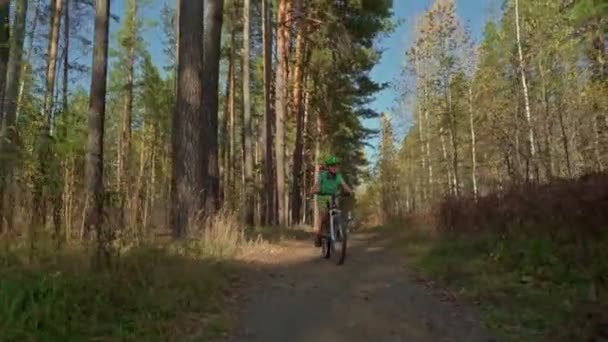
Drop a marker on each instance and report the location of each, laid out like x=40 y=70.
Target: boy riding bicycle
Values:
x=327 y=183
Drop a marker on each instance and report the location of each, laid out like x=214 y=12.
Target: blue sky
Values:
x=473 y=13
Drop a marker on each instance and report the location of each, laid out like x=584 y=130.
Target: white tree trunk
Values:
x=524 y=83
x=473 y=141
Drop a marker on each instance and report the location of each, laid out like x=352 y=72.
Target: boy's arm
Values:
x=346 y=188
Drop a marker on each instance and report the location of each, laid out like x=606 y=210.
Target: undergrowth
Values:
x=153 y=291
x=528 y=287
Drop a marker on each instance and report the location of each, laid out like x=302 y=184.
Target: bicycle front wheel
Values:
x=326 y=247
x=338 y=249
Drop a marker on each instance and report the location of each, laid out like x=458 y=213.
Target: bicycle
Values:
x=336 y=240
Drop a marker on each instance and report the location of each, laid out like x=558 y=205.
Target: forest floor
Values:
x=292 y=294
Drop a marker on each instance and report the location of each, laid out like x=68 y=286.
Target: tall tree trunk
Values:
x=565 y=142
x=257 y=162
x=211 y=71
x=420 y=119
x=27 y=57
x=318 y=132
x=268 y=116
x=304 y=146
x=58 y=201
x=445 y=160
x=232 y=99
x=9 y=149
x=454 y=143
x=247 y=126
x=427 y=140
x=188 y=166
x=52 y=64
x=66 y=54
x=97 y=107
x=522 y=69
x=298 y=111
x=473 y=145
x=226 y=129
x=68 y=196
x=517 y=145
x=280 y=107
x=45 y=148
x=151 y=189
x=139 y=194
x=175 y=65
x=123 y=177
x=548 y=141
x=5 y=48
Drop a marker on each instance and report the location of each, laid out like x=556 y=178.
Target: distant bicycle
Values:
x=335 y=240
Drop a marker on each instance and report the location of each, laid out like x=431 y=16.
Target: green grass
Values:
x=151 y=293
x=526 y=289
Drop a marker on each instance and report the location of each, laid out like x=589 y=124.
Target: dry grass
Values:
x=154 y=289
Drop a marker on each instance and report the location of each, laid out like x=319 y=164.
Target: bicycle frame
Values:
x=332 y=214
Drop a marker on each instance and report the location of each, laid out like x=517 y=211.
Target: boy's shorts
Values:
x=323 y=201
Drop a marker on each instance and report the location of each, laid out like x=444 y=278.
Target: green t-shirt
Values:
x=328 y=186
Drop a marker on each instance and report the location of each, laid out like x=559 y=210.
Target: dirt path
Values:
x=297 y=296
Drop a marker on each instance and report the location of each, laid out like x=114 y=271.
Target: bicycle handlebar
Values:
x=342 y=194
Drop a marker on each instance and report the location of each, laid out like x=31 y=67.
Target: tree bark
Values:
x=473 y=146
x=318 y=132
x=123 y=176
x=188 y=166
x=66 y=54
x=226 y=129
x=280 y=107
x=27 y=57
x=427 y=140
x=448 y=167
x=522 y=69
x=9 y=149
x=52 y=64
x=420 y=125
x=231 y=100
x=548 y=141
x=45 y=148
x=305 y=203
x=97 y=107
x=140 y=194
x=298 y=111
x=454 y=143
x=5 y=48
x=565 y=142
x=269 y=183
x=211 y=65
x=247 y=127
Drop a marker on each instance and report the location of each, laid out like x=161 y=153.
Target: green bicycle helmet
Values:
x=331 y=161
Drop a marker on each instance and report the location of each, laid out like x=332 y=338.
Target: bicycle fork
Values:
x=332 y=231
